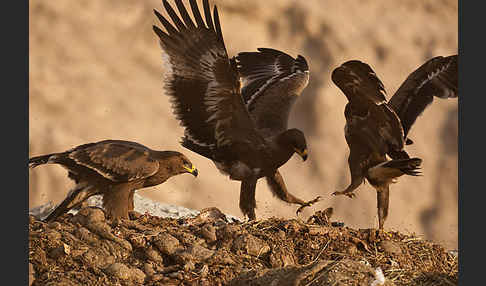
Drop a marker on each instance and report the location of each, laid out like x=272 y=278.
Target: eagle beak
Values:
x=192 y=170
x=302 y=154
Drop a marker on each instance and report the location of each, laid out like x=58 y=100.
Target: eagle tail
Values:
x=75 y=197
x=407 y=166
x=39 y=160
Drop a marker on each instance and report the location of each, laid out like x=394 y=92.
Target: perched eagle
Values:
x=114 y=169
x=376 y=128
x=242 y=130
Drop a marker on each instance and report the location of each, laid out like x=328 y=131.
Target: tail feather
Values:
x=75 y=197
x=39 y=160
x=407 y=166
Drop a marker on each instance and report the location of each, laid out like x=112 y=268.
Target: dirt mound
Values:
x=87 y=249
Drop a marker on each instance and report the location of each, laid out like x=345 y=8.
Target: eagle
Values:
x=114 y=169
x=376 y=128
x=234 y=110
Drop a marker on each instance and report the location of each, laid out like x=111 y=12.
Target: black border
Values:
x=470 y=193
x=15 y=120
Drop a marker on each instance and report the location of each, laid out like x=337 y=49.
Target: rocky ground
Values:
x=209 y=248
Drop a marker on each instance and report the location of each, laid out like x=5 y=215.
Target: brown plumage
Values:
x=114 y=169
x=272 y=83
x=204 y=86
x=376 y=128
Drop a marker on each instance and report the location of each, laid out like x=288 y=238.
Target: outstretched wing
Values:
x=201 y=80
x=437 y=77
x=116 y=160
x=272 y=81
x=359 y=82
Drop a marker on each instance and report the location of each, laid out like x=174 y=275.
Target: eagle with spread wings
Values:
x=376 y=128
x=114 y=169
x=234 y=110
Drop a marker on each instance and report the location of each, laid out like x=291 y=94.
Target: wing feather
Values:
x=173 y=16
x=272 y=81
x=185 y=16
x=357 y=79
x=202 y=82
x=116 y=160
x=438 y=77
x=197 y=14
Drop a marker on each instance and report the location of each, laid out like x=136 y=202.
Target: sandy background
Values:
x=95 y=73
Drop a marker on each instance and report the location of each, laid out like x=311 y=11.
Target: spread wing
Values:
x=201 y=80
x=272 y=81
x=119 y=161
x=437 y=77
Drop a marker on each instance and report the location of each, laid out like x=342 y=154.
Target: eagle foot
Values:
x=349 y=194
x=384 y=234
x=308 y=204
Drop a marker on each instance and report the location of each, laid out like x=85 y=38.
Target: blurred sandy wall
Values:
x=95 y=73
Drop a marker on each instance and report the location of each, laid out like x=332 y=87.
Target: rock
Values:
x=166 y=243
x=153 y=255
x=195 y=253
x=62 y=250
x=251 y=245
x=208 y=215
x=89 y=215
x=123 y=272
x=148 y=268
x=209 y=233
x=119 y=270
x=95 y=259
x=137 y=275
x=390 y=247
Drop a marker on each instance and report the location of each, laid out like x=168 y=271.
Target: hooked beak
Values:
x=302 y=154
x=192 y=170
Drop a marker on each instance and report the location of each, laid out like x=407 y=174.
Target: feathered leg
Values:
x=279 y=189
x=247 y=197
x=383 y=200
x=357 y=176
x=116 y=201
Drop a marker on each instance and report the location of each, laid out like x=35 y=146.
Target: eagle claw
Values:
x=308 y=204
x=349 y=194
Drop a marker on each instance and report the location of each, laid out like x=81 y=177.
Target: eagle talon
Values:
x=308 y=204
x=349 y=194
x=384 y=233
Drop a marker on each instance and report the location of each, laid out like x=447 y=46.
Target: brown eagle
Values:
x=376 y=128
x=114 y=169
x=224 y=122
